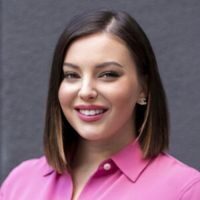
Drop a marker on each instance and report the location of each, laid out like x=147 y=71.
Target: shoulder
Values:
x=25 y=173
x=32 y=166
x=175 y=166
x=179 y=176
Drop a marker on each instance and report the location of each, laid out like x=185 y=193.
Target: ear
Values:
x=142 y=97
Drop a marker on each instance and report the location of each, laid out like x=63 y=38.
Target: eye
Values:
x=109 y=74
x=71 y=75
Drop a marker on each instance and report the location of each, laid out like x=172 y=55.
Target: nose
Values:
x=87 y=91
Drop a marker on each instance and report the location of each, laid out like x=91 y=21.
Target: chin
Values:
x=92 y=137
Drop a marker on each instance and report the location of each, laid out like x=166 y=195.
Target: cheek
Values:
x=65 y=94
x=61 y=95
x=123 y=94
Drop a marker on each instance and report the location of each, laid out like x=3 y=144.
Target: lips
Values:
x=90 y=113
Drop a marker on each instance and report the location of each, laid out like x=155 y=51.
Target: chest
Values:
x=104 y=185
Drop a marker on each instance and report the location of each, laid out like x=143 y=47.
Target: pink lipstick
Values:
x=90 y=113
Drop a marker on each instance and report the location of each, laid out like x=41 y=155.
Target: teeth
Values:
x=90 y=112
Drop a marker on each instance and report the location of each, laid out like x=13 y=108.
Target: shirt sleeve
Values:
x=5 y=187
x=1 y=196
x=16 y=179
x=1 y=192
x=192 y=192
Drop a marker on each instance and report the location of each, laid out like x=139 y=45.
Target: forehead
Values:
x=98 y=47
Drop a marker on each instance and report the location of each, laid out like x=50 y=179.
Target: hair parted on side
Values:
x=152 y=124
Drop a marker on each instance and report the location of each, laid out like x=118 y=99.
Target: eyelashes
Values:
x=109 y=74
x=104 y=75
x=71 y=75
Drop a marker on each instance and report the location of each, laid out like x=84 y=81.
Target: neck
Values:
x=92 y=153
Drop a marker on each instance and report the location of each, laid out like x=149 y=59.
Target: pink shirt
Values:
x=124 y=176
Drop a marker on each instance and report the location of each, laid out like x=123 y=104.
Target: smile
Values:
x=91 y=112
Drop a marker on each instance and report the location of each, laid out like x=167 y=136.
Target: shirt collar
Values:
x=130 y=161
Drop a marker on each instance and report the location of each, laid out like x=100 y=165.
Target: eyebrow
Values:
x=101 y=65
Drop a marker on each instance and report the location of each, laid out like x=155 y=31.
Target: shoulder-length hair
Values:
x=60 y=139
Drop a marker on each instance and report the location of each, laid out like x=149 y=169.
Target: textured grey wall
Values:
x=29 y=33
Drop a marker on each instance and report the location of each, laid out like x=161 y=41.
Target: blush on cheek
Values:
x=67 y=94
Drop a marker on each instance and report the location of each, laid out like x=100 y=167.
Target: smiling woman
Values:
x=106 y=132
x=99 y=89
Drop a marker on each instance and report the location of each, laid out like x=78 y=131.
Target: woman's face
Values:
x=100 y=88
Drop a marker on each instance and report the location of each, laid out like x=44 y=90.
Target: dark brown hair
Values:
x=60 y=139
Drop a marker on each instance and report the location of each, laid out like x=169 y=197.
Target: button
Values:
x=107 y=166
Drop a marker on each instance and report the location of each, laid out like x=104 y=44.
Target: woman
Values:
x=106 y=128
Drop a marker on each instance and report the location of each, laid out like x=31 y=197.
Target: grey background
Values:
x=29 y=30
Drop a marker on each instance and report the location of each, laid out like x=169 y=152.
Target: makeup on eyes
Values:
x=105 y=71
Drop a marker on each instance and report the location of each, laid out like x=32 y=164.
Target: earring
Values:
x=142 y=101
